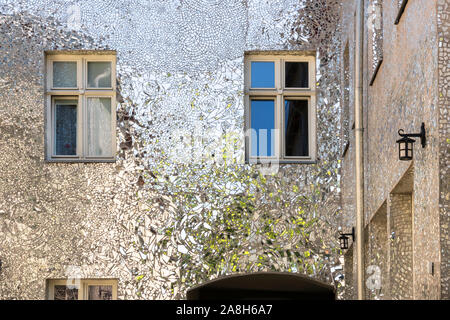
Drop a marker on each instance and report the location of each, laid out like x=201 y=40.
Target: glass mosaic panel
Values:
x=180 y=72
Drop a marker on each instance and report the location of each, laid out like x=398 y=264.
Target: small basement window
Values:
x=81 y=113
x=280 y=108
x=85 y=289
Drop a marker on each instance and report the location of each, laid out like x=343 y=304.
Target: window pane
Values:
x=263 y=74
x=64 y=74
x=65 y=293
x=100 y=293
x=296 y=75
x=65 y=127
x=262 y=123
x=99 y=127
x=296 y=127
x=99 y=74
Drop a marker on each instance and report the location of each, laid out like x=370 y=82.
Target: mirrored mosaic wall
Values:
x=179 y=206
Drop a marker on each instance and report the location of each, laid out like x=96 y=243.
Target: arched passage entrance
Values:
x=263 y=285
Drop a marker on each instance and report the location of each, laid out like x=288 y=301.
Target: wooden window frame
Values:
x=81 y=93
x=279 y=94
x=83 y=286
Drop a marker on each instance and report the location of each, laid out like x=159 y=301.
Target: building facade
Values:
x=150 y=146
x=124 y=171
x=405 y=79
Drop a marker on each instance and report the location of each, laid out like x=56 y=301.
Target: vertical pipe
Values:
x=359 y=150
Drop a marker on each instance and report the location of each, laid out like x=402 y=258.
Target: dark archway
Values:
x=263 y=285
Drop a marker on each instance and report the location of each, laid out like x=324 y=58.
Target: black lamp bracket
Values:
x=421 y=135
x=350 y=234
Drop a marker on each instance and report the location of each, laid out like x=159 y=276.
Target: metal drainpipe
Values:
x=359 y=150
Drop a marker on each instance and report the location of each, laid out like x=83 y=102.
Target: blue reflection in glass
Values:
x=262 y=124
x=263 y=74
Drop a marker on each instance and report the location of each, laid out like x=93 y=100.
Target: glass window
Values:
x=281 y=118
x=62 y=292
x=296 y=128
x=99 y=74
x=65 y=127
x=296 y=75
x=262 y=74
x=64 y=74
x=85 y=289
x=99 y=126
x=100 y=292
x=80 y=124
x=262 y=125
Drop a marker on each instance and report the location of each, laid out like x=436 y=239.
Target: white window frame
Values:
x=280 y=93
x=81 y=93
x=82 y=285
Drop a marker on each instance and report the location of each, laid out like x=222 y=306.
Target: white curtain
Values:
x=99 y=127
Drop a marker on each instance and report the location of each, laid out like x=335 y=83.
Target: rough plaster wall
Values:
x=401 y=246
x=443 y=22
x=111 y=220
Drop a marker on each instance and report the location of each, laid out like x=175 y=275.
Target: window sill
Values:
x=400 y=12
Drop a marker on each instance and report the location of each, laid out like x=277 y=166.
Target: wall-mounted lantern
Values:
x=406 y=144
x=343 y=239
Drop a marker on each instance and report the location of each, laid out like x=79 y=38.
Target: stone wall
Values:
x=400 y=247
x=443 y=23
